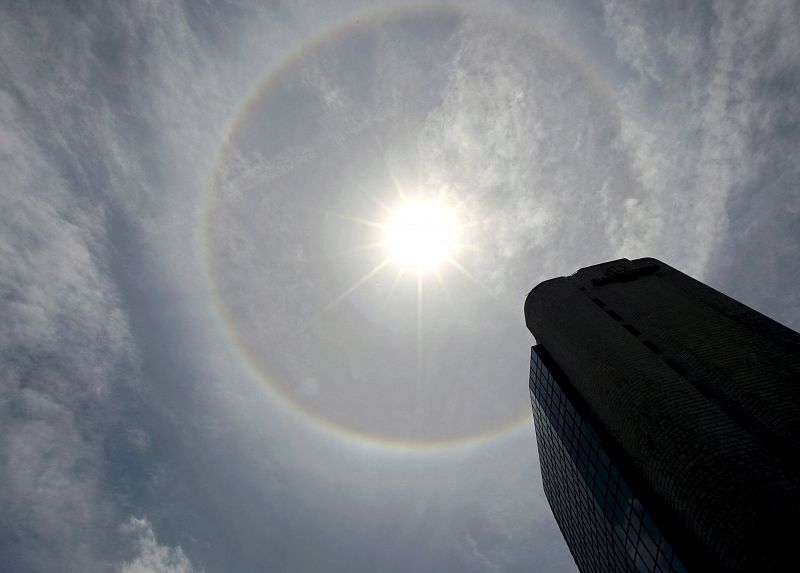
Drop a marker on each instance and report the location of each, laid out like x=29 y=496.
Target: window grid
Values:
x=603 y=522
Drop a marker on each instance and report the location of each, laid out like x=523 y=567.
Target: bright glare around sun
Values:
x=421 y=234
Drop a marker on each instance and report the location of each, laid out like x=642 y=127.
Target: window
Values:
x=604 y=523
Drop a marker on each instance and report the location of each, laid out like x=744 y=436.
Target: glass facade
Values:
x=602 y=520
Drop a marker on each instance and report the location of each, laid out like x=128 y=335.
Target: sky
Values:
x=207 y=362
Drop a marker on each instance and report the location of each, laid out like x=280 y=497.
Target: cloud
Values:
x=689 y=108
x=64 y=345
x=67 y=353
x=109 y=116
x=109 y=119
x=713 y=140
x=475 y=556
x=153 y=557
x=529 y=140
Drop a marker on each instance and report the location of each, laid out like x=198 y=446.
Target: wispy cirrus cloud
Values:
x=110 y=116
x=64 y=345
x=697 y=89
x=67 y=351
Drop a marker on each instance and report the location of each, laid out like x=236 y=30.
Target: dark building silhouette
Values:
x=668 y=422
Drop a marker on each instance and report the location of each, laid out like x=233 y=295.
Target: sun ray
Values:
x=359 y=220
x=419 y=339
x=400 y=274
x=445 y=292
x=467 y=274
x=380 y=203
x=395 y=181
x=419 y=163
x=347 y=292
x=361 y=248
x=371 y=196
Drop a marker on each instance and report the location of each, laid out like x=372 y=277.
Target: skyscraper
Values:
x=667 y=420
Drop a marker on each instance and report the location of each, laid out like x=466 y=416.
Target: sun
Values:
x=421 y=234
